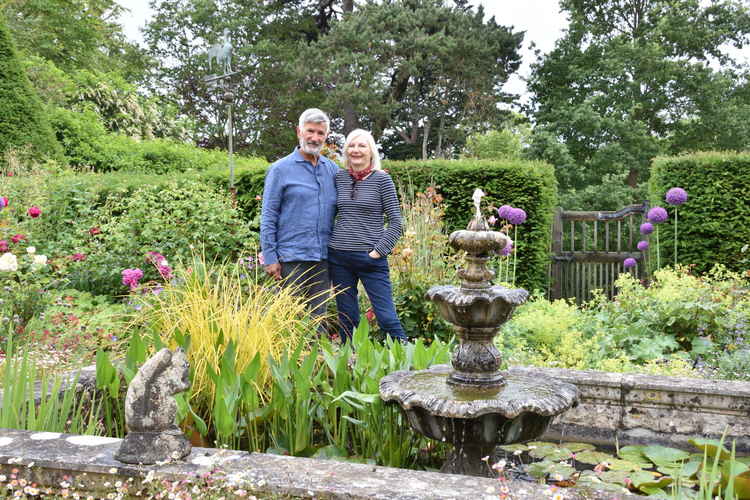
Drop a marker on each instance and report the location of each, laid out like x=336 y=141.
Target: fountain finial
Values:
x=477 y=197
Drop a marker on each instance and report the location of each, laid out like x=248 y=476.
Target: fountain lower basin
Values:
x=476 y=420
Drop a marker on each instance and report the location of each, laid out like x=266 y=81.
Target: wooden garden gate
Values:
x=588 y=250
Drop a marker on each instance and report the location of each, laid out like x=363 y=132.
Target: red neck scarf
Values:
x=361 y=174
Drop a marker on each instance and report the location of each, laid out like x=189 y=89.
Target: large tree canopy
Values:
x=634 y=78
x=409 y=66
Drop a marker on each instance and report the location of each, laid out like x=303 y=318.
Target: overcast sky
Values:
x=540 y=19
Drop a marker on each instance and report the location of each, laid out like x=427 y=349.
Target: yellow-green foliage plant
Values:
x=213 y=305
x=545 y=333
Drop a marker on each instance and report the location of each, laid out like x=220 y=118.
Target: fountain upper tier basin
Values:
x=519 y=395
x=476 y=308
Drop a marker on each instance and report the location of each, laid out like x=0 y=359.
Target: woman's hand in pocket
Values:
x=374 y=254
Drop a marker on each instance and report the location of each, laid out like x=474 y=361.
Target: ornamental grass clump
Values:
x=214 y=305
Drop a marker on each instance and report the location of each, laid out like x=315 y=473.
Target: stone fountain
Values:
x=471 y=403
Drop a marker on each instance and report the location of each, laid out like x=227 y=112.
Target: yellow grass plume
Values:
x=210 y=304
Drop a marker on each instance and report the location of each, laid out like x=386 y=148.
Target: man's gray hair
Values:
x=314 y=115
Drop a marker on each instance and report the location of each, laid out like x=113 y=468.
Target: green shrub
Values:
x=22 y=117
x=114 y=219
x=714 y=224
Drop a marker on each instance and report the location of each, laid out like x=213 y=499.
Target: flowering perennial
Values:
x=629 y=262
x=131 y=277
x=643 y=245
x=647 y=228
x=503 y=211
x=34 y=211
x=676 y=196
x=657 y=215
x=516 y=216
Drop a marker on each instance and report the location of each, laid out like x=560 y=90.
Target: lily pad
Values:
x=741 y=473
x=330 y=451
x=576 y=447
x=615 y=477
x=510 y=448
x=593 y=457
x=554 y=470
x=711 y=447
x=633 y=453
x=551 y=453
x=664 y=455
x=626 y=465
x=650 y=480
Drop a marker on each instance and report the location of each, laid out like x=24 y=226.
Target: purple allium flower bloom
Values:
x=657 y=215
x=516 y=216
x=507 y=249
x=629 y=262
x=643 y=245
x=647 y=228
x=676 y=196
x=503 y=211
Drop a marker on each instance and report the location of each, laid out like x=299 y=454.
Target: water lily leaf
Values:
x=551 y=453
x=744 y=460
x=650 y=480
x=555 y=471
x=576 y=447
x=615 y=477
x=593 y=457
x=663 y=455
x=654 y=492
x=633 y=453
x=742 y=486
x=539 y=470
x=626 y=465
x=510 y=448
x=711 y=447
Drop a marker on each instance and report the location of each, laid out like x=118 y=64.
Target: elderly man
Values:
x=299 y=203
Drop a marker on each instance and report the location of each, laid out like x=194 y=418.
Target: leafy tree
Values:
x=407 y=66
x=75 y=34
x=411 y=67
x=633 y=78
x=509 y=142
x=22 y=116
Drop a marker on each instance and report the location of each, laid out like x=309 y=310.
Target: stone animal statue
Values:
x=221 y=53
x=150 y=410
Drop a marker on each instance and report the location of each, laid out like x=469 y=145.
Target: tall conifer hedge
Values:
x=22 y=117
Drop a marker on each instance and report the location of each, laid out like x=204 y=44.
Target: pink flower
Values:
x=17 y=237
x=130 y=277
x=94 y=230
x=34 y=211
x=3 y=246
x=492 y=220
x=261 y=259
x=78 y=257
x=3 y=202
x=370 y=315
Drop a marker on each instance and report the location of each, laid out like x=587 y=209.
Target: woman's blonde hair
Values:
x=374 y=155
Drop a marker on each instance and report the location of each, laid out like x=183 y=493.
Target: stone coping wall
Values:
x=647 y=409
x=85 y=464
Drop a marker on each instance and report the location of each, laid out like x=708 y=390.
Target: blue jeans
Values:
x=346 y=269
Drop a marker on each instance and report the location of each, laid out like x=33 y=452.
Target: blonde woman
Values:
x=361 y=241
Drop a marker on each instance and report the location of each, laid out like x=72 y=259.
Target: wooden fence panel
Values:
x=588 y=249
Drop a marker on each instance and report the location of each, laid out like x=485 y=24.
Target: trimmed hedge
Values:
x=22 y=117
x=87 y=144
x=714 y=223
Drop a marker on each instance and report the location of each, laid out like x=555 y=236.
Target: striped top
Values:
x=359 y=224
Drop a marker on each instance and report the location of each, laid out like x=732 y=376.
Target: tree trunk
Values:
x=439 y=150
x=425 y=137
x=348 y=6
x=632 y=179
x=351 y=120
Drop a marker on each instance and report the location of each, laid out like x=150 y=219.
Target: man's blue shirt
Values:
x=299 y=204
